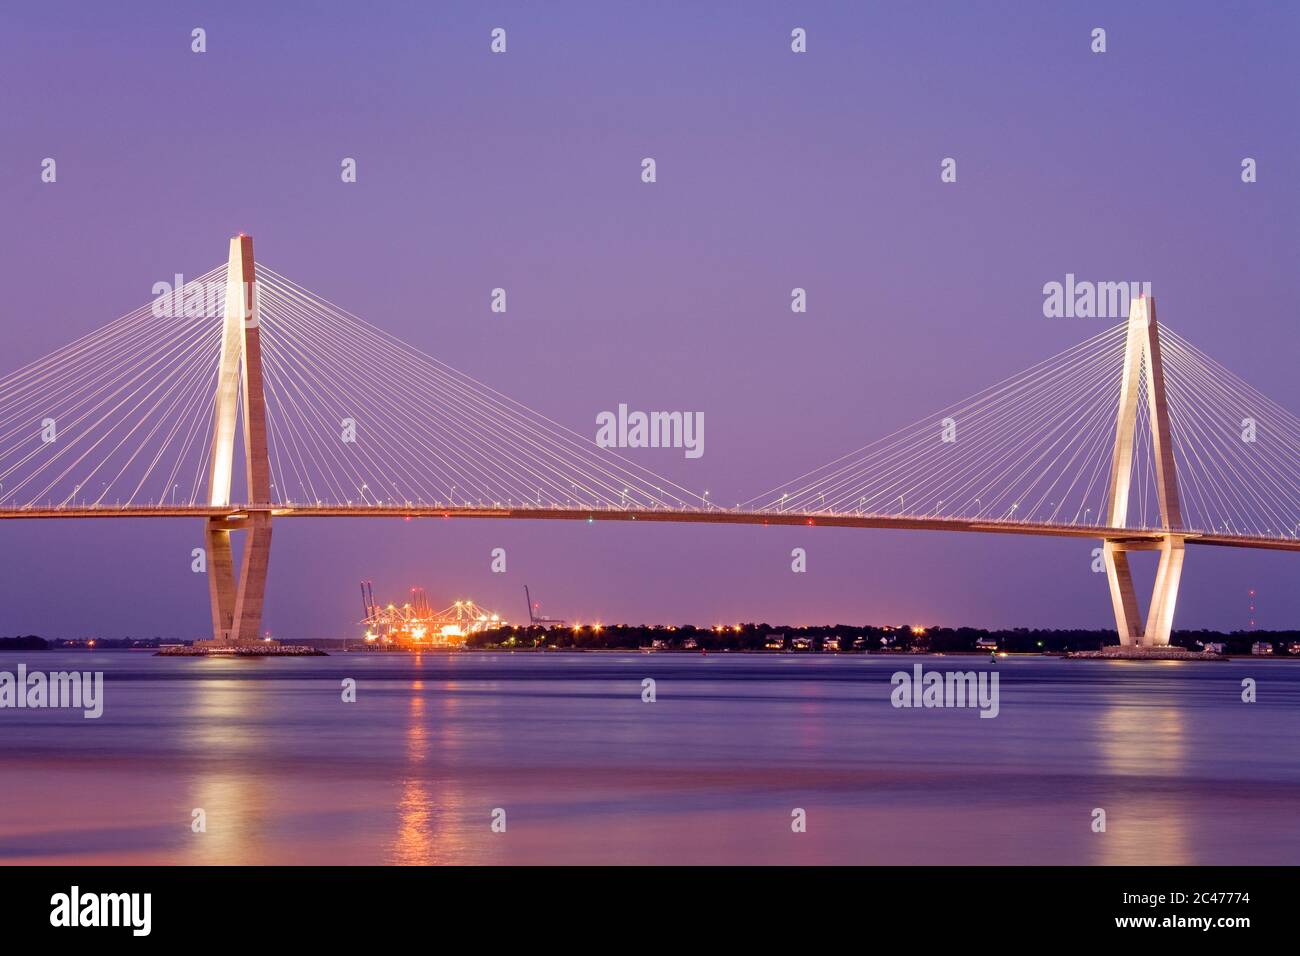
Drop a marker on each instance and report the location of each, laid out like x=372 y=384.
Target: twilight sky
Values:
x=775 y=170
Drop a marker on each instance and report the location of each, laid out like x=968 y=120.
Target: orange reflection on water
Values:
x=1143 y=752
x=231 y=798
x=426 y=831
x=414 y=843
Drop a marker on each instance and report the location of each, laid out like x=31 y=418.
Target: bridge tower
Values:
x=237 y=607
x=1142 y=358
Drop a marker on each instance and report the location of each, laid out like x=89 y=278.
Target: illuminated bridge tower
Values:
x=237 y=607
x=1142 y=358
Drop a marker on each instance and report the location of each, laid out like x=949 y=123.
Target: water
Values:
x=709 y=773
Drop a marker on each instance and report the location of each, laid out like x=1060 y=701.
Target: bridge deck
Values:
x=711 y=516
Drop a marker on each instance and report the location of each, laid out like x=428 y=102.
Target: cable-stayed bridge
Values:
x=1133 y=437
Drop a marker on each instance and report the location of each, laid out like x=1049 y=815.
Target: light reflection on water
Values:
x=415 y=839
x=230 y=798
x=288 y=773
x=1139 y=741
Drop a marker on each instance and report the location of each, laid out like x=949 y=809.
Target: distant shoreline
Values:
x=755 y=638
x=674 y=652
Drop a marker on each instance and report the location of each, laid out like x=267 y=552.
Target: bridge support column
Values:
x=1128 y=618
x=237 y=608
x=1160 y=616
x=221 y=579
x=1143 y=366
x=252 y=576
x=1164 y=595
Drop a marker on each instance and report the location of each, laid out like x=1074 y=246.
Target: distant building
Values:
x=690 y=644
x=1214 y=647
x=1261 y=647
x=801 y=642
x=775 y=642
x=1293 y=647
x=986 y=643
x=831 y=644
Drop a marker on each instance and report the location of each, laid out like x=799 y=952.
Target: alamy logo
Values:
x=58 y=689
x=946 y=689
x=1073 y=299
x=103 y=909
x=198 y=299
x=651 y=430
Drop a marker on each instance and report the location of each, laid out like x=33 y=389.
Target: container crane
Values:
x=534 y=619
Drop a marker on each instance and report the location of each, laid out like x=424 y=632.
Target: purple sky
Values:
x=775 y=170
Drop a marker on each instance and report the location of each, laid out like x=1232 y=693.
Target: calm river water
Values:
x=710 y=772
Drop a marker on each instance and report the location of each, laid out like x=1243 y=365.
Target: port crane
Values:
x=534 y=619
